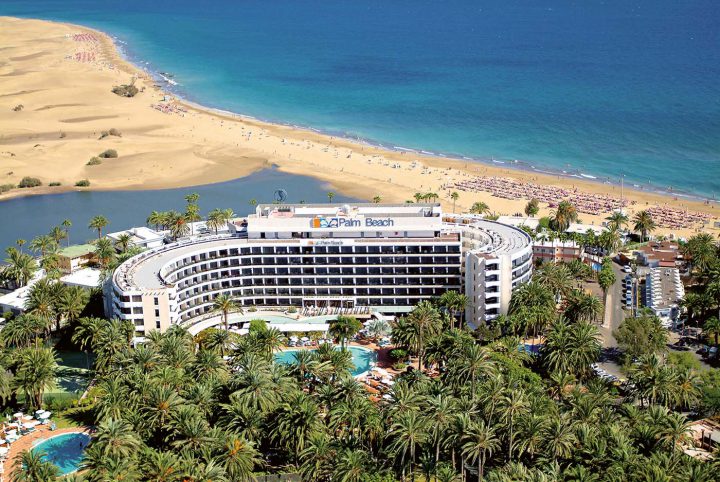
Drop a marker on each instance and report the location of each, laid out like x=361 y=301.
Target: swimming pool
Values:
x=65 y=451
x=361 y=358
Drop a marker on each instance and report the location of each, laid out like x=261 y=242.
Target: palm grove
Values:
x=474 y=404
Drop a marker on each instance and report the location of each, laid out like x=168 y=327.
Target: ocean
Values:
x=598 y=89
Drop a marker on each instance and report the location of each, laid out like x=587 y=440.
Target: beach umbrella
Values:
x=18 y=415
x=304 y=338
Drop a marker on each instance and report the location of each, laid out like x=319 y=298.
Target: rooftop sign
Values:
x=322 y=222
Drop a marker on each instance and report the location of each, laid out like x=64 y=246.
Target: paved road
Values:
x=614 y=313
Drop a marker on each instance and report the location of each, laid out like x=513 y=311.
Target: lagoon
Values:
x=27 y=217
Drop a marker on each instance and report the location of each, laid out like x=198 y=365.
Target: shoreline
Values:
x=205 y=150
x=526 y=166
x=511 y=164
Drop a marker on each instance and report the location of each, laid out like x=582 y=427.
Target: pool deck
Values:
x=26 y=442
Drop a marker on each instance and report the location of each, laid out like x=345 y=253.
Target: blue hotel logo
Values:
x=322 y=222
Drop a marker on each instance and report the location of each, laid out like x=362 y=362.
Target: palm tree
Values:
x=514 y=405
x=41 y=300
x=296 y=421
x=702 y=252
x=479 y=443
x=330 y=196
x=155 y=219
x=178 y=225
x=20 y=266
x=712 y=328
x=98 y=223
x=58 y=234
x=87 y=334
x=454 y=196
x=617 y=220
x=556 y=277
x=215 y=219
x=192 y=215
x=31 y=466
x=583 y=306
x=225 y=305
x=43 y=244
x=532 y=207
x=239 y=457
x=36 y=372
x=409 y=431
x=563 y=216
x=675 y=430
x=351 y=466
x=67 y=224
x=253 y=202
x=123 y=242
x=344 y=327
x=116 y=439
x=20 y=242
x=606 y=278
x=104 y=251
x=479 y=208
x=644 y=224
x=426 y=321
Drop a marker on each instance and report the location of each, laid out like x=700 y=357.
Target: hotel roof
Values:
x=77 y=250
x=348 y=209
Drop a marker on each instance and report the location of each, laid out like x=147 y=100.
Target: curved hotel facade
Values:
x=322 y=258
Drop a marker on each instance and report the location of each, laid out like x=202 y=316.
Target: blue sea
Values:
x=596 y=88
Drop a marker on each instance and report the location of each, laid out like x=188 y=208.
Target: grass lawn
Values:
x=72 y=376
x=74 y=417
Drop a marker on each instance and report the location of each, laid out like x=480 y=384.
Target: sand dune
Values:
x=64 y=85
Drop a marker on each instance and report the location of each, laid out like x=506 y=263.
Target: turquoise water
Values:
x=65 y=451
x=361 y=358
x=600 y=87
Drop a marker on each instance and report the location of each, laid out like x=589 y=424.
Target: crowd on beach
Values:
x=171 y=108
x=84 y=37
x=85 y=56
x=666 y=216
x=509 y=188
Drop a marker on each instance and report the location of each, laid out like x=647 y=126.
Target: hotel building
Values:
x=359 y=258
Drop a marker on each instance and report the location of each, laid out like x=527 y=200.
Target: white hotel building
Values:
x=322 y=258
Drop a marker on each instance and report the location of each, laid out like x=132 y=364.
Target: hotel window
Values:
x=157 y=313
x=157 y=324
x=156 y=301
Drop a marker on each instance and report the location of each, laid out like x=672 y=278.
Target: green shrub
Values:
x=398 y=354
x=82 y=183
x=399 y=366
x=55 y=183
x=252 y=308
x=6 y=187
x=30 y=182
x=258 y=326
x=18 y=108
x=292 y=309
x=125 y=90
x=94 y=161
x=110 y=153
